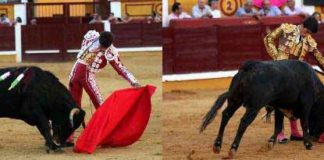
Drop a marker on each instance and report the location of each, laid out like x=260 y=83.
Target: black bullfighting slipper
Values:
x=283 y=141
x=295 y=138
x=68 y=144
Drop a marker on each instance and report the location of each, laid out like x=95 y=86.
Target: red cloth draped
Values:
x=119 y=121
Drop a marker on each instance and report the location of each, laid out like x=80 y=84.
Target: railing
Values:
x=65 y=12
x=203 y=45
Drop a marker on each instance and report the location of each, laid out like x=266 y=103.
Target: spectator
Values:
x=247 y=10
x=291 y=9
x=215 y=12
x=33 y=21
x=201 y=10
x=177 y=13
x=96 y=19
x=154 y=17
x=124 y=19
x=318 y=17
x=269 y=10
x=4 y=20
x=18 y=20
x=112 y=18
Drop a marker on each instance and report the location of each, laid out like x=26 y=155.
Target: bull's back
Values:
x=281 y=80
x=11 y=101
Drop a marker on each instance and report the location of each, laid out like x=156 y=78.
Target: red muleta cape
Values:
x=119 y=121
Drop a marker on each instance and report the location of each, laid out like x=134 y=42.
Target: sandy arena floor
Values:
x=21 y=141
x=182 y=115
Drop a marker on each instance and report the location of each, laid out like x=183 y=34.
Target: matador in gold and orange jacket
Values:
x=291 y=45
x=294 y=42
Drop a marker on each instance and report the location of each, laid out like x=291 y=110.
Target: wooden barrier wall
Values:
x=194 y=45
x=7 y=38
x=62 y=37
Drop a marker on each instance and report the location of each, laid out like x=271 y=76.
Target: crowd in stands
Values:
x=5 y=21
x=204 y=9
x=95 y=18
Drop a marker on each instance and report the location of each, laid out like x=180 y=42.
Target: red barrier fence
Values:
x=52 y=42
x=48 y=42
x=137 y=34
x=202 y=45
x=7 y=38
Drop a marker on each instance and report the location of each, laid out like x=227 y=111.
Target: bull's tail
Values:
x=210 y=116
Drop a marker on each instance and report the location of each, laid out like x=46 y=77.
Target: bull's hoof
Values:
x=270 y=145
x=67 y=144
x=216 y=149
x=231 y=154
x=58 y=150
x=308 y=145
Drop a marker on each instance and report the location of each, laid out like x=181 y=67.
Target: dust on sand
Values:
x=182 y=115
x=21 y=141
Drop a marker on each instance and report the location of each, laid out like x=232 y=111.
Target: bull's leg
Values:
x=279 y=117
x=304 y=119
x=226 y=116
x=44 y=129
x=246 y=120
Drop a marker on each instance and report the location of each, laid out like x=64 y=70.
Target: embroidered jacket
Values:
x=96 y=59
x=291 y=44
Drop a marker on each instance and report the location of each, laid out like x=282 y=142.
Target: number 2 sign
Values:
x=229 y=7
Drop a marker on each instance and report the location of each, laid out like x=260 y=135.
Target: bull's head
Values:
x=62 y=132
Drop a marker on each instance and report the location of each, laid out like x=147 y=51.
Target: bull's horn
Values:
x=72 y=113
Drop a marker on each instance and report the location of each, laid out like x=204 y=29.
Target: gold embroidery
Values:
x=88 y=57
x=288 y=28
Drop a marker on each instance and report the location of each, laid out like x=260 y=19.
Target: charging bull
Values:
x=37 y=97
x=289 y=86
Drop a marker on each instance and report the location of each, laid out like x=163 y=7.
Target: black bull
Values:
x=285 y=85
x=38 y=99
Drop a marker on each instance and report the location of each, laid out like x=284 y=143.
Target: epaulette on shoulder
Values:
x=288 y=28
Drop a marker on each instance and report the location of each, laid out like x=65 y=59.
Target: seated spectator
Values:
x=269 y=10
x=124 y=19
x=112 y=18
x=177 y=13
x=18 y=20
x=96 y=19
x=318 y=17
x=247 y=10
x=291 y=9
x=201 y=10
x=154 y=18
x=4 y=20
x=33 y=21
x=215 y=12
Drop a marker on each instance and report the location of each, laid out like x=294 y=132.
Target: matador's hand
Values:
x=136 y=85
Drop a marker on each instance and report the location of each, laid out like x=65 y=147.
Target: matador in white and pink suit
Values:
x=90 y=60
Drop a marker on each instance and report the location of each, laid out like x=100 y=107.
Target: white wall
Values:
x=308 y=9
x=165 y=13
x=116 y=8
x=20 y=11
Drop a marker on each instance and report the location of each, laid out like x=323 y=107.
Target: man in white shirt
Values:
x=215 y=12
x=291 y=9
x=177 y=13
x=201 y=10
